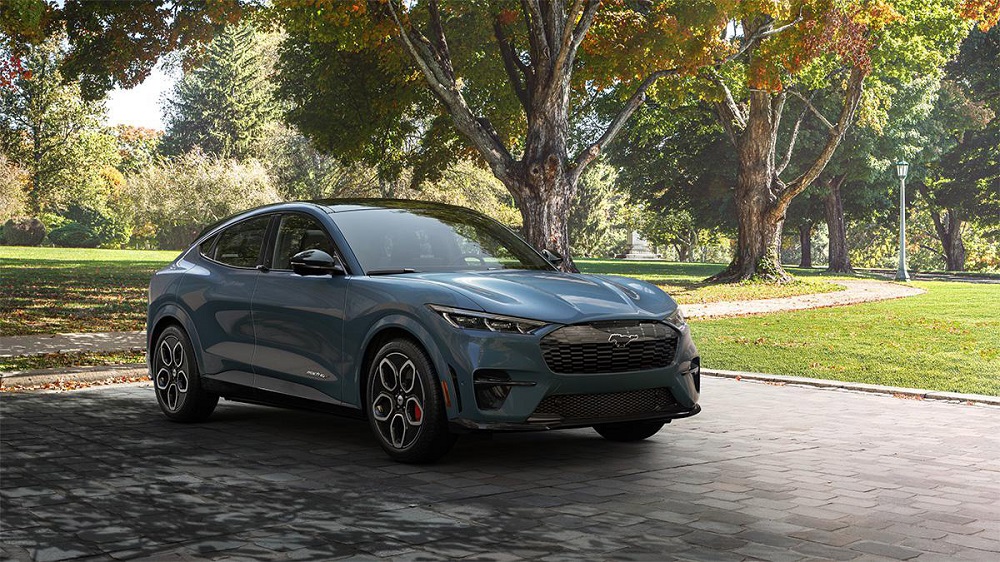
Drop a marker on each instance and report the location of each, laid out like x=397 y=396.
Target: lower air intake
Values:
x=609 y=405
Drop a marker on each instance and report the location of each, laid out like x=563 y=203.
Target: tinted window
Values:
x=433 y=240
x=296 y=234
x=239 y=245
x=205 y=248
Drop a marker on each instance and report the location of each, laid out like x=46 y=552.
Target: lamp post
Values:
x=901 y=168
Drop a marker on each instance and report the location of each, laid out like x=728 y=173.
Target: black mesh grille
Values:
x=608 y=405
x=609 y=347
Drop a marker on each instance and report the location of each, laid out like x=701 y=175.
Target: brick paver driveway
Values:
x=765 y=472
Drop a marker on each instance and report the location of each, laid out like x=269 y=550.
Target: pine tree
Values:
x=225 y=105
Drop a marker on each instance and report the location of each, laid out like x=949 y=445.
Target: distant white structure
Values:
x=638 y=248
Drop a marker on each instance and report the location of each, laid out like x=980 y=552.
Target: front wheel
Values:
x=404 y=404
x=176 y=379
x=629 y=431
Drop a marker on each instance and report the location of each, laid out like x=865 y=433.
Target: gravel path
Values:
x=857 y=291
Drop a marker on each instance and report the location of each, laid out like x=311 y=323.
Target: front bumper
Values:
x=519 y=357
x=459 y=425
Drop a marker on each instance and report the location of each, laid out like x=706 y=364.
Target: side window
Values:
x=297 y=233
x=205 y=248
x=239 y=245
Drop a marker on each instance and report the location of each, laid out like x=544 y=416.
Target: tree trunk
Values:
x=683 y=252
x=949 y=230
x=805 y=242
x=544 y=220
x=760 y=213
x=839 y=259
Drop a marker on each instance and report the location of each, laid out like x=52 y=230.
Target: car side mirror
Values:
x=552 y=257
x=316 y=262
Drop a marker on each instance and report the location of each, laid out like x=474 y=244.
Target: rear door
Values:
x=218 y=296
x=299 y=320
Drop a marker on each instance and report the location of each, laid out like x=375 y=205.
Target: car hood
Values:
x=551 y=296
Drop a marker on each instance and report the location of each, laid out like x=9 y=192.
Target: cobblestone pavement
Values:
x=764 y=472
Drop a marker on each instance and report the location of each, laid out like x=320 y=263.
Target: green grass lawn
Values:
x=946 y=339
x=52 y=290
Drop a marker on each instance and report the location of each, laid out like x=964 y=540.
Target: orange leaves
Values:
x=507 y=17
x=985 y=12
x=630 y=40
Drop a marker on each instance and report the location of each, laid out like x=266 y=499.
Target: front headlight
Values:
x=676 y=318
x=473 y=320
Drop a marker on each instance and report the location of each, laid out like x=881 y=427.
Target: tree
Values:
x=596 y=216
x=526 y=66
x=225 y=105
x=138 y=147
x=54 y=134
x=832 y=47
x=961 y=178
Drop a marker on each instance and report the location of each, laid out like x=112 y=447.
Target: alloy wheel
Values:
x=171 y=378
x=397 y=403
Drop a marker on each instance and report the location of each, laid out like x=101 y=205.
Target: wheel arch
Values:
x=405 y=328
x=172 y=315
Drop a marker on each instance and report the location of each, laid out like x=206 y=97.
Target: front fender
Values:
x=416 y=329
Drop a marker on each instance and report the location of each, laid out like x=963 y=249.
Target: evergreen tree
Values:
x=596 y=216
x=225 y=105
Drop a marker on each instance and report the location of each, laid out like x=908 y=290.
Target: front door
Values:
x=299 y=320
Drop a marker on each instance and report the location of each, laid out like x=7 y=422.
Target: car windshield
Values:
x=436 y=239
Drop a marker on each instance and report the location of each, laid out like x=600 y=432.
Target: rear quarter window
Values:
x=240 y=245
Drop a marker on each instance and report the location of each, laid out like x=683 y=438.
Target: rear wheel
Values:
x=404 y=404
x=629 y=431
x=176 y=379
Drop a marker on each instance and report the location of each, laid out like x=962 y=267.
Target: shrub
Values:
x=52 y=221
x=111 y=230
x=182 y=196
x=74 y=235
x=28 y=231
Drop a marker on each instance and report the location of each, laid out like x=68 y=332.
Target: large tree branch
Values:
x=517 y=71
x=855 y=86
x=732 y=117
x=577 y=24
x=587 y=155
x=536 y=31
x=440 y=42
x=443 y=85
x=769 y=31
x=792 y=139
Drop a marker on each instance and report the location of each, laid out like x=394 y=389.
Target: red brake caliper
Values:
x=417 y=412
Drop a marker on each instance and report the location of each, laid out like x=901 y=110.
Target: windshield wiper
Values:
x=391 y=271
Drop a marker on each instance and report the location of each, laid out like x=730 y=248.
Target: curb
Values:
x=37 y=377
x=918 y=393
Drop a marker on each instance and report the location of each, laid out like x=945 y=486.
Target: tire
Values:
x=629 y=431
x=176 y=379
x=404 y=405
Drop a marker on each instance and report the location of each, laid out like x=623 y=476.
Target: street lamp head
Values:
x=901 y=168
